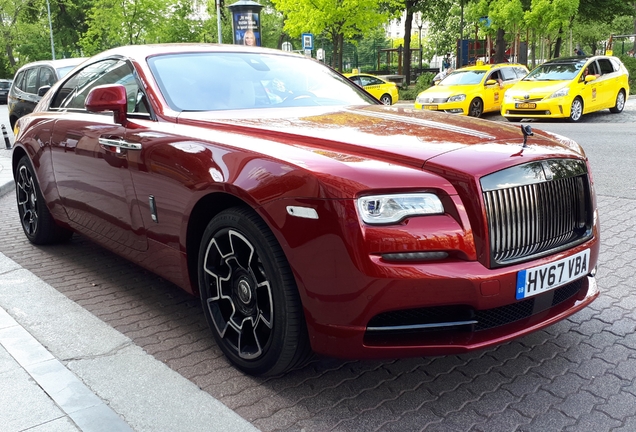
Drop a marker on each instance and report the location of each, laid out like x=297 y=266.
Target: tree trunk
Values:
x=557 y=44
x=336 y=54
x=408 y=25
x=500 y=46
x=340 y=51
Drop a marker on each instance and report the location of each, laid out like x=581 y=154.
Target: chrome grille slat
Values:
x=537 y=216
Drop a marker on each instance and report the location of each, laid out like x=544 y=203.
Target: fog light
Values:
x=415 y=256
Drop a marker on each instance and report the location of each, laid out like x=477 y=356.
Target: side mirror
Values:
x=589 y=78
x=42 y=90
x=491 y=82
x=109 y=97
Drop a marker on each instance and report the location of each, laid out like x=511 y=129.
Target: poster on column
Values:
x=246 y=29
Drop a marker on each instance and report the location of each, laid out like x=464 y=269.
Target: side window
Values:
x=73 y=93
x=367 y=81
x=593 y=69
x=508 y=74
x=606 y=66
x=494 y=76
x=31 y=81
x=47 y=77
x=19 y=80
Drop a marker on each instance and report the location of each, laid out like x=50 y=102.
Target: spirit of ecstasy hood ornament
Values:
x=527 y=131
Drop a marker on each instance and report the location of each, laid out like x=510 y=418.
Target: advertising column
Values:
x=246 y=22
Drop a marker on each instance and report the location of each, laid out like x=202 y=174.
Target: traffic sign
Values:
x=308 y=41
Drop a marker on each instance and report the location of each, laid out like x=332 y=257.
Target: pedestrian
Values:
x=578 y=51
x=441 y=75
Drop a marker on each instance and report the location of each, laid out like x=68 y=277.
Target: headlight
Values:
x=559 y=93
x=508 y=97
x=384 y=209
x=457 y=98
x=420 y=99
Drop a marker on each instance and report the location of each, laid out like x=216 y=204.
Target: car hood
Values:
x=393 y=135
x=536 y=89
x=447 y=91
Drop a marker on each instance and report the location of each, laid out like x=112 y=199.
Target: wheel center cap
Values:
x=244 y=291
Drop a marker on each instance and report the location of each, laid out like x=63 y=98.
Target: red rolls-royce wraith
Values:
x=307 y=216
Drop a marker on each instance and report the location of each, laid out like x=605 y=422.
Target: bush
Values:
x=630 y=64
x=423 y=82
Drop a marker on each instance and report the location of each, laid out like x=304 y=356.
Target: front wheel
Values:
x=37 y=223
x=620 y=103
x=386 y=99
x=249 y=295
x=476 y=108
x=576 y=110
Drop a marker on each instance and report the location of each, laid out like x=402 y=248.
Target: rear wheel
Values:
x=476 y=108
x=620 y=102
x=249 y=295
x=576 y=110
x=37 y=222
x=386 y=99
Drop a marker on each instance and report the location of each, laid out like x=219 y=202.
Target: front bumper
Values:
x=460 y=108
x=551 y=108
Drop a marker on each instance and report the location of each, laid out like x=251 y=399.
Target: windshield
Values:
x=62 y=71
x=463 y=77
x=222 y=81
x=555 y=72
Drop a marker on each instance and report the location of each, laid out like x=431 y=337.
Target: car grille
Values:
x=428 y=100
x=536 y=209
x=463 y=318
x=529 y=113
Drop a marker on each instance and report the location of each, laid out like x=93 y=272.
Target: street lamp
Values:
x=48 y=8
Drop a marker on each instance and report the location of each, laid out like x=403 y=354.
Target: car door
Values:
x=591 y=91
x=608 y=83
x=90 y=165
x=493 y=93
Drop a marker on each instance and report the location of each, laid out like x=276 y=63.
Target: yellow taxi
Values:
x=471 y=90
x=568 y=88
x=384 y=91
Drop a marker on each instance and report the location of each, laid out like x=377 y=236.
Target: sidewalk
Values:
x=62 y=369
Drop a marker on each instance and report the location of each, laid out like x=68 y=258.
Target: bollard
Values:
x=7 y=142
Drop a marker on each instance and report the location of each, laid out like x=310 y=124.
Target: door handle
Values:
x=118 y=145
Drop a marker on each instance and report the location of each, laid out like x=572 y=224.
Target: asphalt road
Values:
x=578 y=375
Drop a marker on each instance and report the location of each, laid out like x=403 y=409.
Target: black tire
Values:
x=37 y=222
x=249 y=295
x=386 y=99
x=476 y=108
x=576 y=111
x=620 y=103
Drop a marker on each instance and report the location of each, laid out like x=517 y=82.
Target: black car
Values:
x=32 y=81
x=4 y=90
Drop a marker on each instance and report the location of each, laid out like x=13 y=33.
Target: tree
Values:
x=114 y=23
x=338 y=19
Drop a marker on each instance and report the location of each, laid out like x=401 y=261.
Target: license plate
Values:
x=430 y=107
x=525 y=105
x=544 y=278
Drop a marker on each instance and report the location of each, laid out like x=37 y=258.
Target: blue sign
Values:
x=308 y=41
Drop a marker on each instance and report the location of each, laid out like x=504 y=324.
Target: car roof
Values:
x=576 y=59
x=488 y=66
x=141 y=52
x=55 y=64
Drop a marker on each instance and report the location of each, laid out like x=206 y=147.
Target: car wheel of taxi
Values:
x=576 y=111
x=386 y=99
x=476 y=108
x=620 y=103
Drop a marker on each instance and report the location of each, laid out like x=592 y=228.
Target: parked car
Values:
x=32 y=81
x=568 y=88
x=472 y=90
x=4 y=90
x=305 y=214
x=384 y=91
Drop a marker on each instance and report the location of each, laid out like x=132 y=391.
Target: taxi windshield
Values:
x=555 y=72
x=463 y=77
